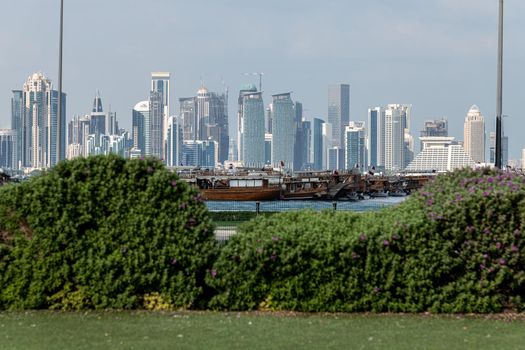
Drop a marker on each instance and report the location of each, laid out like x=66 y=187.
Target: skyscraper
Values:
x=140 y=124
x=8 y=149
x=252 y=129
x=34 y=117
x=376 y=137
x=474 y=134
x=283 y=130
x=245 y=89
x=355 y=145
x=398 y=143
x=156 y=126
x=338 y=111
x=160 y=83
x=174 y=142
x=317 y=144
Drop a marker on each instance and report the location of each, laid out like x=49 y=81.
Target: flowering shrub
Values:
x=456 y=246
x=103 y=232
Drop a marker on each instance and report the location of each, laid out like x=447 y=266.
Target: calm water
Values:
x=363 y=205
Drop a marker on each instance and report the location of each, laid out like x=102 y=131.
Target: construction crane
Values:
x=260 y=78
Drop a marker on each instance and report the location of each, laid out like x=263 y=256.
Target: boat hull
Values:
x=240 y=194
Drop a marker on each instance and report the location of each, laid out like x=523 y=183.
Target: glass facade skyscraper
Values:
x=338 y=111
x=252 y=129
x=283 y=131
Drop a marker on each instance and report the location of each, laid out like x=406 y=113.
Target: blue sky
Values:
x=439 y=55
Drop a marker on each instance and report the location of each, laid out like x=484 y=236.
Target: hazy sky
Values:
x=439 y=55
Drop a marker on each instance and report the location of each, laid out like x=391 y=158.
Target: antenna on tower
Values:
x=260 y=74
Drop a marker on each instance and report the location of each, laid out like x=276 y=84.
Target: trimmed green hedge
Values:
x=104 y=232
x=456 y=246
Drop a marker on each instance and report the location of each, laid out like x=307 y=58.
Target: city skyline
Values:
x=441 y=55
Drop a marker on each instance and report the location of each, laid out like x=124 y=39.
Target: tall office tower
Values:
x=397 y=137
x=8 y=149
x=212 y=119
x=160 y=82
x=335 y=159
x=252 y=130
x=326 y=131
x=268 y=119
x=283 y=130
x=34 y=117
x=140 y=127
x=303 y=146
x=355 y=146
x=245 y=89
x=112 y=123
x=174 y=142
x=156 y=126
x=205 y=117
x=188 y=114
x=504 y=148
x=474 y=134
x=338 y=111
x=200 y=153
x=97 y=104
x=376 y=137
x=98 y=117
x=232 y=151
x=17 y=123
x=77 y=134
x=268 y=138
x=317 y=144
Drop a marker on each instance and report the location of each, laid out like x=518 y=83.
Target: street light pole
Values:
x=499 y=99
x=59 y=112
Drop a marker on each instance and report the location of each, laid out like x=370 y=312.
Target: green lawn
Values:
x=207 y=330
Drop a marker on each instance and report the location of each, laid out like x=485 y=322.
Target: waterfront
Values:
x=287 y=205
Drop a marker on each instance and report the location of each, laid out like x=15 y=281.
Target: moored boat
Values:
x=237 y=189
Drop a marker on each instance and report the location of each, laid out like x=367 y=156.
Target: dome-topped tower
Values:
x=474 y=134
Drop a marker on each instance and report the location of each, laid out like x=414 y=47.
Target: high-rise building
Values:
x=251 y=127
x=268 y=137
x=439 y=154
x=504 y=148
x=317 y=144
x=326 y=144
x=338 y=111
x=335 y=158
x=355 y=145
x=77 y=134
x=245 y=89
x=283 y=131
x=205 y=117
x=174 y=142
x=200 y=153
x=8 y=149
x=140 y=124
x=34 y=117
x=438 y=128
x=156 y=125
x=474 y=134
x=160 y=83
x=303 y=145
x=398 y=142
x=97 y=104
x=376 y=137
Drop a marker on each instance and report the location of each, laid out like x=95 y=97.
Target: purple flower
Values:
x=514 y=249
x=362 y=237
x=377 y=290
x=273 y=257
x=498 y=245
x=430 y=202
x=490 y=180
x=173 y=261
x=259 y=250
x=275 y=239
x=386 y=243
x=517 y=233
x=395 y=237
x=469 y=229
x=458 y=198
x=485 y=256
x=183 y=205
x=355 y=256
x=487 y=231
x=472 y=189
x=482 y=267
x=213 y=273
x=485 y=194
x=174 y=183
x=502 y=262
x=150 y=169
x=480 y=180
